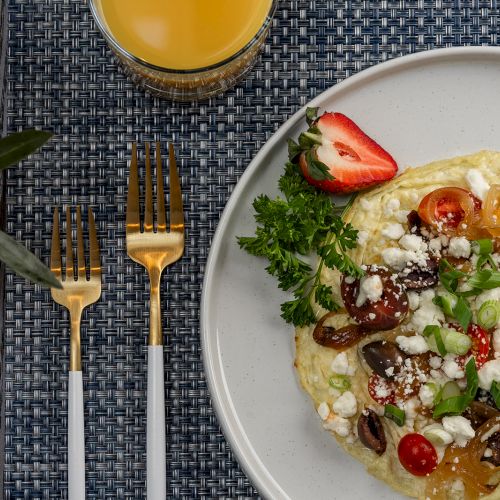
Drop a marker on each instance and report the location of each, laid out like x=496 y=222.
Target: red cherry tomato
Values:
x=446 y=208
x=381 y=390
x=417 y=455
x=480 y=345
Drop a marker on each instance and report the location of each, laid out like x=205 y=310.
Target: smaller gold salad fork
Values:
x=81 y=287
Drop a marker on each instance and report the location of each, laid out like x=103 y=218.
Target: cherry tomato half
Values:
x=480 y=349
x=381 y=390
x=448 y=207
x=417 y=455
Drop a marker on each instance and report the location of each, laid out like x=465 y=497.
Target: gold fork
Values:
x=77 y=293
x=155 y=250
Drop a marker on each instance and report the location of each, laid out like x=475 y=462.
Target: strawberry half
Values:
x=336 y=155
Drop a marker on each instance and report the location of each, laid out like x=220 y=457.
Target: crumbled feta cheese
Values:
x=372 y=315
x=413 y=242
x=496 y=341
x=460 y=428
x=412 y=345
x=323 y=410
x=393 y=231
x=339 y=425
x=435 y=362
x=428 y=313
x=389 y=371
x=346 y=405
x=402 y=216
x=362 y=237
x=391 y=206
x=413 y=300
x=459 y=247
x=489 y=373
x=395 y=257
x=452 y=369
x=371 y=288
x=340 y=364
x=477 y=183
x=426 y=395
x=490 y=433
x=488 y=452
x=435 y=245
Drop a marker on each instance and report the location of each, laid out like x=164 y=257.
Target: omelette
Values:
x=405 y=375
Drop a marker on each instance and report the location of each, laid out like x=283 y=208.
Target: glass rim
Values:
x=125 y=53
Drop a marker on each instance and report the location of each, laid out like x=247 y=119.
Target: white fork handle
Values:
x=156 y=452
x=76 y=441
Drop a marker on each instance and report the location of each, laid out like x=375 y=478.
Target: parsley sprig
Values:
x=301 y=222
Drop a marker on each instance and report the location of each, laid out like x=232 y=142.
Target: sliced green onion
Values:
x=455 y=342
x=488 y=314
x=446 y=302
x=495 y=393
x=436 y=391
x=462 y=313
x=486 y=279
x=450 y=406
x=482 y=247
x=438 y=396
x=396 y=414
x=437 y=435
x=472 y=379
x=434 y=339
x=339 y=382
x=450 y=390
x=456 y=405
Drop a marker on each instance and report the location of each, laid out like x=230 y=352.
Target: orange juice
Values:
x=183 y=34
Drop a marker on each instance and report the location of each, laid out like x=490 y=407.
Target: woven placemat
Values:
x=62 y=77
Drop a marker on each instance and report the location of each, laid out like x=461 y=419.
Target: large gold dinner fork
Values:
x=155 y=250
x=78 y=292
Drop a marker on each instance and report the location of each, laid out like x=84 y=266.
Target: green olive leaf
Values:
x=24 y=263
x=19 y=145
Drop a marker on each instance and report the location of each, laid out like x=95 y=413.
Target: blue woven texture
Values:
x=62 y=77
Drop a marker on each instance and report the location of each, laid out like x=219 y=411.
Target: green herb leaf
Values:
x=462 y=313
x=324 y=297
x=311 y=115
x=317 y=169
x=24 y=263
x=303 y=222
x=15 y=147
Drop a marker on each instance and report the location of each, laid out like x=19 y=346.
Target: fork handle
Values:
x=156 y=453
x=76 y=441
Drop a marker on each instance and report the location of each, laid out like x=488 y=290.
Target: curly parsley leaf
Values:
x=302 y=222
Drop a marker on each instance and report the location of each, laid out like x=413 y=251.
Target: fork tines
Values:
x=133 y=222
x=81 y=268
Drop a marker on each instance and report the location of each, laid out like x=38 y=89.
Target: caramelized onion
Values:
x=490 y=215
x=464 y=464
x=340 y=338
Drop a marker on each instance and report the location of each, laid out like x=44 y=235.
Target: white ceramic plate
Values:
x=423 y=107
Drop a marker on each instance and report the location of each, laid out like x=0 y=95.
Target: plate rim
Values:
x=227 y=417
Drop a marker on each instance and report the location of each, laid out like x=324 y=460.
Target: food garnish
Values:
x=289 y=228
x=335 y=155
